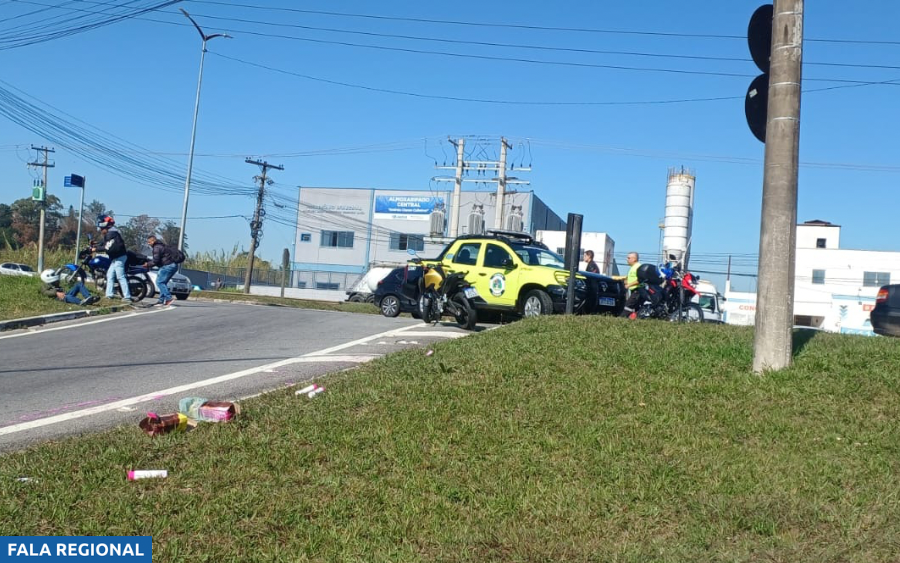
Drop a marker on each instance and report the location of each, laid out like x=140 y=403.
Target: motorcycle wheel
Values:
x=690 y=313
x=465 y=314
x=138 y=289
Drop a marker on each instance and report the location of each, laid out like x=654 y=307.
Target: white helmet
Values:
x=49 y=276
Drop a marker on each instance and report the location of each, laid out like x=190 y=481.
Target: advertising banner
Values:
x=408 y=207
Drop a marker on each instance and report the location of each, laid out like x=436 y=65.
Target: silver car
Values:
x=180 y=285
x=14 y=269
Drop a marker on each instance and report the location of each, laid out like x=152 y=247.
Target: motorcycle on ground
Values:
x=98 y=265
x=441 y=294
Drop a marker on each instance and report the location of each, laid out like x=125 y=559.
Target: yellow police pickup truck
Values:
x=513 y=273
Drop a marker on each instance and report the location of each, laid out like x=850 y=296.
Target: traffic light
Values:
x=759 y=39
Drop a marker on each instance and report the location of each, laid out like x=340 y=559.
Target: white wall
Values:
x=841 y=303
x=602 y=245
x=808 y=234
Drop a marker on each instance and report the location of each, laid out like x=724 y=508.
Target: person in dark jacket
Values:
x=114 y=246
x=162 y=259
x=593 y=291
x=591 y=265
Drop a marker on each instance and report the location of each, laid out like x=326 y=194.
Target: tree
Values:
x=7 y=237
x=136 y=231
x=169 y=232
x=92 y=211
x=68 y=229
x=26 y=217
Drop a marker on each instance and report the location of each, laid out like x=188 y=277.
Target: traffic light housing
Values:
x=759 y=40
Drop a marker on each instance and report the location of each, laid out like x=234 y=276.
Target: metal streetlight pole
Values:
x=187 y=181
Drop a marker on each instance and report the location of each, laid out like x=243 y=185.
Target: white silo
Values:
x=679 y=214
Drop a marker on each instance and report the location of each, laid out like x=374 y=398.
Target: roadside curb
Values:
x=28 y=322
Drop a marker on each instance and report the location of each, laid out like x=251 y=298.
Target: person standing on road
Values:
x=631 y=284
x=114 y=246
x=167 y=264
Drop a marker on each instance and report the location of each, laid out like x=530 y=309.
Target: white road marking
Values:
x=312 y=356
x=437 y=334
x=79 y=325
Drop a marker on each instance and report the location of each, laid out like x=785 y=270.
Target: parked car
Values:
x=885 y=317
x=513 y=273
x=13 y=269
x=180 y=285
x=397 y=292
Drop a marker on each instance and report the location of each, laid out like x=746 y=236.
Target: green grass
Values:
x=234 y=295
x=553 y=439
x=20 y=297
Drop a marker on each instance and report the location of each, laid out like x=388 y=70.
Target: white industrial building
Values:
x=834 y=288
x=602 y=245
x=342 y=232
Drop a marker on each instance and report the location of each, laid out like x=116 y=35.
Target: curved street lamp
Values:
x=187 y=181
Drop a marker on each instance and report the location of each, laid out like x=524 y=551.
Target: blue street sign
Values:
x=74 y=181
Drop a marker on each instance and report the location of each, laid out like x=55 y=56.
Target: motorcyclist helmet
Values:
x=49 y=276
x=105 y=222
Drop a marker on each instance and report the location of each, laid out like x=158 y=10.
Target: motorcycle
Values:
x=441 y=294
x=680 y=289
x=98 y=266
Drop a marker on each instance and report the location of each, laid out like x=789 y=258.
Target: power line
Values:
x=530 y=27
x=466 y=99
x=492 y=57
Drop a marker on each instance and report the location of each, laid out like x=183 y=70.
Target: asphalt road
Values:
x=80 y=376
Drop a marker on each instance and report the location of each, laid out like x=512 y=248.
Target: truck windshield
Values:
x=708 y=302
x=534 y=256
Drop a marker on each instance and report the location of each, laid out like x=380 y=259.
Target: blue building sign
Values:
x=406 y=206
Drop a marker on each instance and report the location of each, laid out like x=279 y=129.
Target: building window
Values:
x=328 y=285
x=820 y=243
x=305 y=237
x=337 y=239
x=818 y=277
x=876 y=279
x=400 y=241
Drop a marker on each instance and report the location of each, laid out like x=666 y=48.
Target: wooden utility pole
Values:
x=772 y=345
x=256 y=224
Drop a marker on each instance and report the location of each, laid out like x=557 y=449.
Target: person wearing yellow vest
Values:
x=631 y=284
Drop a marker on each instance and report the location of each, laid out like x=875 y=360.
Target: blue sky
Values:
x=136 y=81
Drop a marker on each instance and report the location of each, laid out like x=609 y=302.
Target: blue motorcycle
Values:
x=98 y=265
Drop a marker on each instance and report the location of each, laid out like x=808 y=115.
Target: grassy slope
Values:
x=556 y=439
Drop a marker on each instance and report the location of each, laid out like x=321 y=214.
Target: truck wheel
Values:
x=390 y=306
x=537 y=303
x=356 y=298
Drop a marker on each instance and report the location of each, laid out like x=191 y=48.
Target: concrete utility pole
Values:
x=256 y=224
x=45 y=165
x=457 y=187
x=501 y=184
x=772 y=345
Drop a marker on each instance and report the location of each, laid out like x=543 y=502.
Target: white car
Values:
x=180 y=285
x=13 y=269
